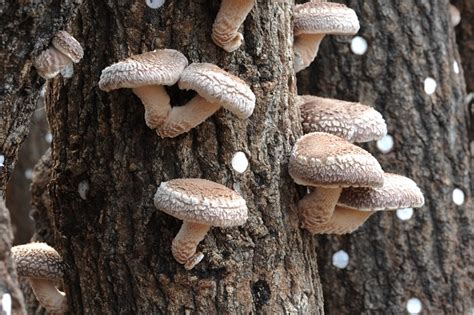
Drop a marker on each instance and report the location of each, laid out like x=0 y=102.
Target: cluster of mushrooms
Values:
x=347 y=182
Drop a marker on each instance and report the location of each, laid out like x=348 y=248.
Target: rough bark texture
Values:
x=8 y=283
x=465 y=41
x=117 y=244
x=25 y=29
x=43 y=217
x=429 y=257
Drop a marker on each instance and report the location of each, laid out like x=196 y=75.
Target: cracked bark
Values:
x=430 y=256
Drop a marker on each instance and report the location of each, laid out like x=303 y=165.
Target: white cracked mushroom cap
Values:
x=201 y=201
x=397 y=192
x=219 y=86
x=322 y=159
x=324 y=18
x=43 y=266
x=352 y=121
x=68 y=45
x=158 y=67
x=38 y=260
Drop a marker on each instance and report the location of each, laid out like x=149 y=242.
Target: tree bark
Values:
x=8 y=278
x=25 y=29
x=430 y=256
x=118 y=246
x=465 y=41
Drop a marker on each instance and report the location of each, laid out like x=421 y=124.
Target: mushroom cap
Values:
x=352 y=121
x=201 y=201
x=322 y=159
x=324 y=18
x=397 y=192
x=38 y=260
x=219 y=86
x=158 y=67
x=68 y=45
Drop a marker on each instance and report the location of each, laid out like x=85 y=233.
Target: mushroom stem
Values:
x=231 y=15
x=50 y=62
x=52 y=299
x=181 y=119
x=156 y=101
x=306 y=48
x=186 y=241
x=317 y=207
x=343 y=221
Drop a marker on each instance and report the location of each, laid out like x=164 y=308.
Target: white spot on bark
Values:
x=430 y=85
x=43 y=90
x=340 y=259
x=239 y=162
x=405 y=213
x=154 y=4
x=385 y=144
x=6 y=304
x=49 y=137
x=359 y=45
x=458 y=196
x=68 y=71
x=83 y=189
x=2 y=160
x=456 y=67
x=414 y=306
x=28 y=173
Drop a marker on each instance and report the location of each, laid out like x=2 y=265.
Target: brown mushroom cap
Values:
x=352 y=121
x=219 y=86
x=158 y=67
x=397 y=192
x=68 y=45
x=321 y=159
x=324 y=18
x=38 y=260
x=201 y=201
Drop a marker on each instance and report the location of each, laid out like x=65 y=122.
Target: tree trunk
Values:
x=25 y=29
x=118 y=246
x=465 y=41
x=429 y=257
x=9 y=290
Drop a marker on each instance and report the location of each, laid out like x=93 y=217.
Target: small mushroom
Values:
x=43 y=265
x=231 y=15
x=65 y=50
x=312 y=21
x=356 y=204
x=351 y=121
x=329 y=163
x=146 y=74
x=200 y=204
x=215 y=88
